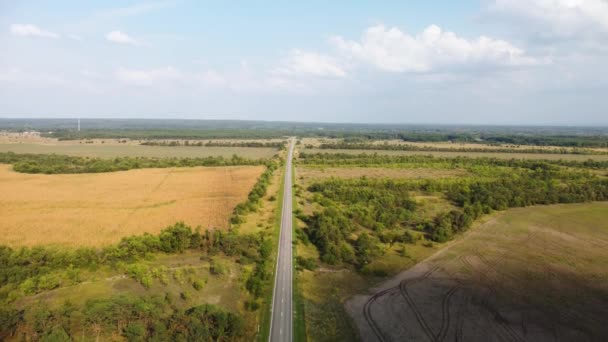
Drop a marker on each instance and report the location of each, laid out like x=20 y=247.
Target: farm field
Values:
x=131 y=150
x=527 y=274
x=99 y=209
x=499 y=155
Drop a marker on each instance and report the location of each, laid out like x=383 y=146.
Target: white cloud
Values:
x=121 y=38
x=148 y=77
x=29 y=30
x=29 y=78
x=561 y=17
x=74 y=37
x=301 y=63
x=397 y=51
x=213 y=78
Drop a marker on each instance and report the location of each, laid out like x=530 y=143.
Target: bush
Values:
x=306 y=263
x=217 y=268
x=252 y=305
x=134 y=331
x=198 y=285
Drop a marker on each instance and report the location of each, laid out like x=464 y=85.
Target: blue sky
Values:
x=482 y=62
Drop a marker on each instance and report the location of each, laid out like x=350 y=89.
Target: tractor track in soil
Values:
x=506 y=331
x=405 y=294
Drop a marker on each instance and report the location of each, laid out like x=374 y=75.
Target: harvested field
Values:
x=98 y=209
x=575 y=157
x=130 y=150
x=527 y=274
x=321 y=173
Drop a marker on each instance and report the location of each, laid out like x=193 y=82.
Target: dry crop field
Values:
x=99 y=209
x=527 y=274
x=500 y=155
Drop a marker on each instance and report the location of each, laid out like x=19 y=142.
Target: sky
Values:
x=516 y=62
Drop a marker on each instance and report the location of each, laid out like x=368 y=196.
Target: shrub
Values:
x=198 y=285
x=217 y=268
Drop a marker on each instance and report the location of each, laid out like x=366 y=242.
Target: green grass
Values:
x=112 y=151
x=265 y=308
x=299 y=316
x=548 y=156
x=179 y=270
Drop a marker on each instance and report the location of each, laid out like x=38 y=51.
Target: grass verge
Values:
x=299 y=314
x=265 y=314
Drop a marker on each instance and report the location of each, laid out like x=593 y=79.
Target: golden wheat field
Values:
x=99 y=209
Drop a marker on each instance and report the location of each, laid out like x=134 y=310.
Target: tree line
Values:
x=259 y=144
x=414 y=161
x=255 y=195
x=537 y=138
x=60 y=164
x=407 y=147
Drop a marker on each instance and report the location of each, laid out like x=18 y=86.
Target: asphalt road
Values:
x=281 y=328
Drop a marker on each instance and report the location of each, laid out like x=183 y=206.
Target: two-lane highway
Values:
x=281 y=316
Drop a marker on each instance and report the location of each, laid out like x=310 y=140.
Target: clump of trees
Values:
x=362 y=218
x=134 y=318
x=33 y=270
x=55 y=164
x=42 y=268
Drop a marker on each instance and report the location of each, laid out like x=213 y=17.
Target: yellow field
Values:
x=99 y=209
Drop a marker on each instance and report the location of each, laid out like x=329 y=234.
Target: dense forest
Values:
x=55 y=164
x=359 y=218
